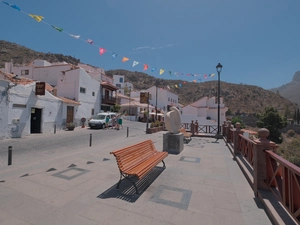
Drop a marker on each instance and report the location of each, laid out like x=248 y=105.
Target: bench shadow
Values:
x=127 y=191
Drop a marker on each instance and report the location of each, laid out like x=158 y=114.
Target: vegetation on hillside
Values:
x=290 y=147
x=274 y=122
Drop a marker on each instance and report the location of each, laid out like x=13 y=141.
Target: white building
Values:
x=205 y=111
x=162 y=97
x=24 y=112
x=124 y=87
x=83 y=95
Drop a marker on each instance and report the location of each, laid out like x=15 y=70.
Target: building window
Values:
x=118 y=85
x=93 y=111
x=24 y=72
x=82 y=90
x=121 y=79
x=93 y=93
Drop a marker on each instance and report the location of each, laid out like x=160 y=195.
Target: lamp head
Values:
x=219 y=67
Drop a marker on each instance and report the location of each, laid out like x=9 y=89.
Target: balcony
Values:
x=109 y=100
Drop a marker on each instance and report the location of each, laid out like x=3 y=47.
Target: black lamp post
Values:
x=129 y=103
x=219 y=69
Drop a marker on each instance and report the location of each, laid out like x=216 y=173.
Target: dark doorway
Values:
x=35 y=121
x=70 y=114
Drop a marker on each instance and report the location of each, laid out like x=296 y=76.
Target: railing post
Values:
x=228 y=132
x=196 y=127
x=236 y=138
x=259 y=160
x=223 y=128
x=192 y=128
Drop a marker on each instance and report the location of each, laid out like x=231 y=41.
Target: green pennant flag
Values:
x=57 y=28
x=170 y=72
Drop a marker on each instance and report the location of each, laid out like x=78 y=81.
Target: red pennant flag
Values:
x=145 y=66
x=184 y=82
x=101 y=51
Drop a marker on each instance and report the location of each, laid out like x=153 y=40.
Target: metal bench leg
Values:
x=164 y=165
x=118 y=185
x=136 y=189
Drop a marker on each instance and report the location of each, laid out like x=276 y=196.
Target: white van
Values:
x=98 y=121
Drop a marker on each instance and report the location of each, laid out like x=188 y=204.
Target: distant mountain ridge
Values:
x=239 y=98
x=290 y=90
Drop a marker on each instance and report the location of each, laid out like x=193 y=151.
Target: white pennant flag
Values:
x=75 y=36
x=134 y=63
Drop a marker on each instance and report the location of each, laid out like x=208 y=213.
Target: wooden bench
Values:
x=186 y=135
x=138 y=160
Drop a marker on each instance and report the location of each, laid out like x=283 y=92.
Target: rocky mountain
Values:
x=290 y=90
x=239 y=98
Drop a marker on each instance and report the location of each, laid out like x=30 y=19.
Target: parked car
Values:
x=98 y=121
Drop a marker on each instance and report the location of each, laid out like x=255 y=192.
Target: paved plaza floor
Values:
x=201 y=185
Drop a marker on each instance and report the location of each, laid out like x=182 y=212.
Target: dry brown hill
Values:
x=239 y=98
x=22 y=55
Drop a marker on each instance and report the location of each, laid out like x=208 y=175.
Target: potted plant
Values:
x=70 y=126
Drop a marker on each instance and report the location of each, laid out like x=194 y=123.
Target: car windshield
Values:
x=100 y=117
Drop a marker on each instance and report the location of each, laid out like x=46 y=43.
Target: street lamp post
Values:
x=156 y=103
x=219 y=69
x=129 y=103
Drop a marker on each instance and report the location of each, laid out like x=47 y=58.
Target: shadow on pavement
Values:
x=127 y=191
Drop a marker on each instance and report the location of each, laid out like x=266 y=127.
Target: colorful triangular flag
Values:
x=114 y=55
x=13 y=6
x=212 y=75
x=145 y=66
x=134 y=63
x=125 y=59
x=75 y=36
x=102 y=51
x=205 y=76
x=36 y=17
x=170 y=72
x=161 y=71
x=176 y=86
x=168 y=86
x=90 y=41
x=57 y=28
x=180 y=85
x=194 y=81
x=153 y=68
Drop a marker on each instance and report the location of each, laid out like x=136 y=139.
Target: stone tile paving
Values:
x=202 y=185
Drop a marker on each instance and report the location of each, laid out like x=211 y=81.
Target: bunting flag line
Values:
x=13 y=6
x=135 y=63
x=75 y=36
x=125 y=59
x=102 y=51
x=57 y=28
x=90 y=41
x=36 y=17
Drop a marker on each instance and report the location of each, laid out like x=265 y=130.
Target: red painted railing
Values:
x=246 y=147
x=284 y=181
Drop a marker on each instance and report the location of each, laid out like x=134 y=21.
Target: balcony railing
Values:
x=109 y=100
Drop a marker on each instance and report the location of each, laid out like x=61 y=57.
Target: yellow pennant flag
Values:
x=36 y=17
x=161 y=71
x=125 y=59
x=176 y=86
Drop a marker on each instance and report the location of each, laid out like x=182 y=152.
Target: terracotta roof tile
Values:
x=69 y=101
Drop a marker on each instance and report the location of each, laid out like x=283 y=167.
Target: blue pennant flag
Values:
x=152 y=69
x=114 y=55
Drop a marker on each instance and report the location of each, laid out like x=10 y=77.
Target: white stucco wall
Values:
x=3 y=110
x=25 y=95
x=68 y=86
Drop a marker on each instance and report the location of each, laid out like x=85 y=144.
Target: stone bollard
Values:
x=192 y=128
x=196 y=127
x=236 y=138
x=259 y=160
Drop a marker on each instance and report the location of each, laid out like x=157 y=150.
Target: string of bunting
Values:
x=114 y=55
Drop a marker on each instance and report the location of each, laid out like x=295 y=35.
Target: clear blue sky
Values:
x=256 y=41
